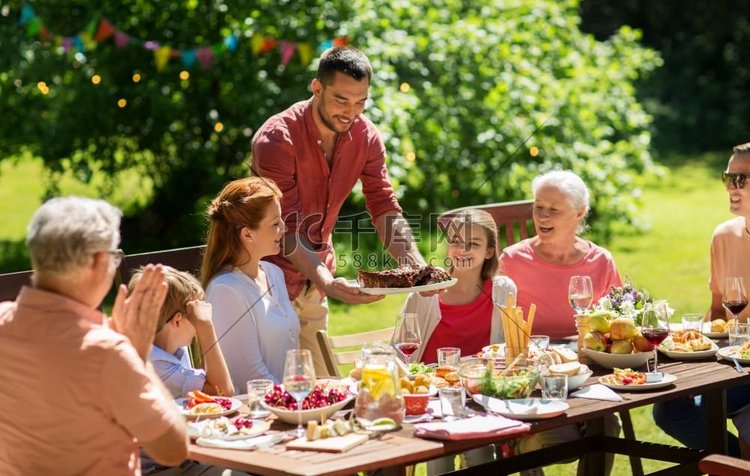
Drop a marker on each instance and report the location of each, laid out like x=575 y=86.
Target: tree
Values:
x=187 y=136
x=476 y=98
x=473 y=99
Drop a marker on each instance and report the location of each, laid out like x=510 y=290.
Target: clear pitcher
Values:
x=379 y=390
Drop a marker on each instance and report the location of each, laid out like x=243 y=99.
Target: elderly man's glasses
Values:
x=737 y=180
x=117 y=256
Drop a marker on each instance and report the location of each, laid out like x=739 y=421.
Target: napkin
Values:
x=597 y=391
x=468 y=428
x=262 y=441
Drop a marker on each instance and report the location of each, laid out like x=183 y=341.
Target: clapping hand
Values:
x=135 y=316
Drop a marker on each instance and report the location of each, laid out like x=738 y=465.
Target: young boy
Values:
x=184 y=315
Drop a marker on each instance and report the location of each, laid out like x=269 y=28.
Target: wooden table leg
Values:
x=594 y=461
x=716 y=421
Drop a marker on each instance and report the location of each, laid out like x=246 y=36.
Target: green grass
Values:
x=670 y=260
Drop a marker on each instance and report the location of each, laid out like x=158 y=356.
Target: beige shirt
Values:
x=730 y=256
x=75 y=394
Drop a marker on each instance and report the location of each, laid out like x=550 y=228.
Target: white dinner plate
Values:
x=727 y=353
x=667 y=380
x=183 y=402
x=665 y=348
x=216 y=429
x=414 y=289
x=523 y=408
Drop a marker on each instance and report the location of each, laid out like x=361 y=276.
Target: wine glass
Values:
x=655 y=327
x=299 y=380
x=406 y=335
x=580 y=293
x=734 y=298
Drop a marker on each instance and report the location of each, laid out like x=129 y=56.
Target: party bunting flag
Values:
x=287 y=49
x=305 y=51
x=205 y=56
x=99 y=29
x=161 y=56
x=188 y=58
x=105 y=30
x=121 y=39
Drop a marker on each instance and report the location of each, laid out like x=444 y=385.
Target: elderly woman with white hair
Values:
x=541 y=266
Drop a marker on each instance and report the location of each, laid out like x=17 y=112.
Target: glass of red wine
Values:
x=734 y=298
x=406 y=335
x=655 y=328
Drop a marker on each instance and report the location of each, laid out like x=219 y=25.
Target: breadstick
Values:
x=530 y=321
x=511 y=301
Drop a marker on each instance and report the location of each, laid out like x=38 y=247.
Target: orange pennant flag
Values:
x=161 y=57
x=105 y=30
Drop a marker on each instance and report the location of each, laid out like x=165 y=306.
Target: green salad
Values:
x=519 y=385
x=420 y=368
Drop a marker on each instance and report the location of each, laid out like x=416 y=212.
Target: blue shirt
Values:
x=175 y=371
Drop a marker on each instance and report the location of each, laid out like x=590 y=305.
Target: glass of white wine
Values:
x=299 y=380
x=580 y=293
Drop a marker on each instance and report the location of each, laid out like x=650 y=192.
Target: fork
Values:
x=737 y=365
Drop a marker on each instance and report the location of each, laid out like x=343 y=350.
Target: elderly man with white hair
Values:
x=79 y=395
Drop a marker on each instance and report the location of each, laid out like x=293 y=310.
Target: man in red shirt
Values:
x=316 y=151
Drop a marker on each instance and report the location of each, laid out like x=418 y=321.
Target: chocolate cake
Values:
x=402 y=277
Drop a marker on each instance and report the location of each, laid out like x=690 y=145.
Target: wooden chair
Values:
x=330 y=344
x=183 y=259
x=515 y=223
x=513 y=219
x=722 y=465
x=11 y=284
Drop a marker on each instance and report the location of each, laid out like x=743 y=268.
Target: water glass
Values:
x=692 y=322
x=555 y=387
x=540 y=342
x=739 y=333
x=450 y=356
x=256 y=390
x=452 y=402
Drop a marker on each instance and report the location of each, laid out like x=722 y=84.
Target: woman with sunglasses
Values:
x=685 y=419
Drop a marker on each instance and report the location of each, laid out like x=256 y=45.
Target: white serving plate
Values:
x=665 y=348
x=183 y=402
x=620 y=361
x=414 y=289
x=523 y=408
x=317 y=414
x=726 y=354
x=213 y=429
x=666 y=380
x=575 y=381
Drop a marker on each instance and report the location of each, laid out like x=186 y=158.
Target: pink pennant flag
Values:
x=121 y=39
x=205 y=56
x=287 y=49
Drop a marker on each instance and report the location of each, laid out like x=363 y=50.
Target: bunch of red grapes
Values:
x=242 y=422
x=318 y=398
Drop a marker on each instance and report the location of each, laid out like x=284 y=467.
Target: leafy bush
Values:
x=464 y=90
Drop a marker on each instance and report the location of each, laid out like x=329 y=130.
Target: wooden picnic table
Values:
x=394 y=451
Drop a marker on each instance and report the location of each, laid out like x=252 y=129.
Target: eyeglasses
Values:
x=117 y=256
x=737 y=180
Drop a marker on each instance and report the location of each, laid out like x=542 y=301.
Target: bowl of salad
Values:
x=321 y=403
x=479 y=378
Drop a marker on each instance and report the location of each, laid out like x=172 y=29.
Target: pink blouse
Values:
x=546 y=284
